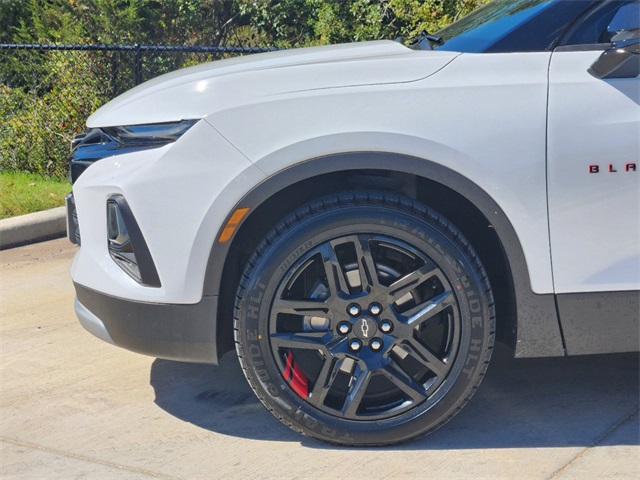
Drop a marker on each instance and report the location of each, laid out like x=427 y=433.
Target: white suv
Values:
x=360 y=221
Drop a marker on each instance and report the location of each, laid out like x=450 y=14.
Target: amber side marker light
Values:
x=232 y=224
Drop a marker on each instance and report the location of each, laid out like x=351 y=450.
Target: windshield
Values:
x=511 y=25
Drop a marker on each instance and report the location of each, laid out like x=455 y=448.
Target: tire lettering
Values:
x=258 y=298
x=253 y=305
x=295 y=255
x=475 y=306
x=457 y=266
x=347 y=438
x=256 y=360
x=330 y=432
x=302 y=417
x=310 y=422
x=252 y=312
x=263 y=375
x=472 y=357
x=418 y=233
x=254 y=351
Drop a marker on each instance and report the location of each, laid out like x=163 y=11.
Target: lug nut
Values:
x=375 y=344
x=355 y=345
x=386 y=326
x=353 y=310
x=375 y=309
x=344 y=328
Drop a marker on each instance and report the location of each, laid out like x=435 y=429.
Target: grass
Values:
x=22 y=193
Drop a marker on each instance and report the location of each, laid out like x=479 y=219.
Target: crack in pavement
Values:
x=85 y=459
x=594 y=444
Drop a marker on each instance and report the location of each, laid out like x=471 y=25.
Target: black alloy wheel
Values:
x=364 y=319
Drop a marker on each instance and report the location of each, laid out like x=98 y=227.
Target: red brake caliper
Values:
x=294 y=376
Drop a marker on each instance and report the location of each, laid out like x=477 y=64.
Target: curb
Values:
x=33 y=227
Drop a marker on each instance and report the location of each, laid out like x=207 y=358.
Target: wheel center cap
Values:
x=365 y=327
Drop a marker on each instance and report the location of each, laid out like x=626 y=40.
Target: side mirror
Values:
x=620 y=61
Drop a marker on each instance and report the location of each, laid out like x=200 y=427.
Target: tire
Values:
x=364 y=319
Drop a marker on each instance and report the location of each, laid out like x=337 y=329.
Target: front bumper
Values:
x=180 y=195
x=175 y=332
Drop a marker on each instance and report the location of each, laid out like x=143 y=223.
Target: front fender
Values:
x=538 y=331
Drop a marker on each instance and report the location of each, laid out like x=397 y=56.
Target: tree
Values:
x=292 y=23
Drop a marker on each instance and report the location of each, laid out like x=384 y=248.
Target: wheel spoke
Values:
x=426 y=357
x=356 y=394
x=306 y=340
x=301 y=307
x=336 y=280
x=366 y=264
x=410 y=281
x=405 y=383
x=324 y=381
x=430 y=308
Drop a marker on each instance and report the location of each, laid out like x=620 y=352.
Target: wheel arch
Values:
x=527 y=322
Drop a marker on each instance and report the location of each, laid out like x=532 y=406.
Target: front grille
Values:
x=73 y=231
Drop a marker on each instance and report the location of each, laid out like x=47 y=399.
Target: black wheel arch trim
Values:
x=538 y=330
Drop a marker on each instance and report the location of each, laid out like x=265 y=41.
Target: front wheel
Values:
x=364 y=319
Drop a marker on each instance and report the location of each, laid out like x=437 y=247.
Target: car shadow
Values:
x=547 y=402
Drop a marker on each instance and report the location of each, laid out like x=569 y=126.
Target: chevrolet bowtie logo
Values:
x=365 y=328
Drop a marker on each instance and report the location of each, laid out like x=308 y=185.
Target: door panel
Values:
x=593 y=182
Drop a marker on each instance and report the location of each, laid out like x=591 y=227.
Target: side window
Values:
x=613 y=20
x=625 y=24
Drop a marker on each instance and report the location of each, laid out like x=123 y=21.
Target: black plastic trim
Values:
x=175 y=332
x=148 y=270
x=600 y=322
x=73 y=229
x=538 y=332
x=590 y=47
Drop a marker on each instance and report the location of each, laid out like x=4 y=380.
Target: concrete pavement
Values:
x=72 y=406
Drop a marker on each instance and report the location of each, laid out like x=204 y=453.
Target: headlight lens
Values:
x=154 y=134
x=99 y=143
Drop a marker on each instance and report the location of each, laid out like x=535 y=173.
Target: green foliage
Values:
x=38 y=123
x=22 y=193
x=11 y=12
x=294 y=23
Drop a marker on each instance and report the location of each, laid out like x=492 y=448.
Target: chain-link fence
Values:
x=48 y=91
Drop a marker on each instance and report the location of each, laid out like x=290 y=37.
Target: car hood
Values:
x=196 y=92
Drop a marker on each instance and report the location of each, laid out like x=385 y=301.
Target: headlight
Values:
x=99 y=143
x=149 y=135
